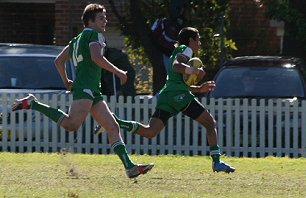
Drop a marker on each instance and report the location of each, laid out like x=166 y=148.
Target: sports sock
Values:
x=56 y=115
x=120 y=149
x=215 y=153
x=131 y=126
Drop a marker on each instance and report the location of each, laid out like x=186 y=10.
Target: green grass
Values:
x=80 y=175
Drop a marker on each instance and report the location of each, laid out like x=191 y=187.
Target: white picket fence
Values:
x=256 y=129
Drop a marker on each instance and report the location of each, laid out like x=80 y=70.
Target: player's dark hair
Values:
x=90 y=12
x=185 y=34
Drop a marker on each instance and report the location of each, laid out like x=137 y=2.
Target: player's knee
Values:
x=151 y=133
x=72 y=127
x=69 y=124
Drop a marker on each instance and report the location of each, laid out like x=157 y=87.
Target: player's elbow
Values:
x=61 y=59
x=57 y=61
x=71 y=128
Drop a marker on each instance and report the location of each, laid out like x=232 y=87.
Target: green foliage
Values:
x=209 y=17
x=282 y=11
x=142 y=67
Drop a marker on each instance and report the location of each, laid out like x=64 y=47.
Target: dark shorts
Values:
x=193 y=110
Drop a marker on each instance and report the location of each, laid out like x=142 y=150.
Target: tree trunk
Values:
x=137 y=27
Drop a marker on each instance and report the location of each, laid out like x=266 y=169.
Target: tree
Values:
x=210 y=17
x=293 y=14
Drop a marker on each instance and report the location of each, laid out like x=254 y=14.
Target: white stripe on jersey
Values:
x=188 y=52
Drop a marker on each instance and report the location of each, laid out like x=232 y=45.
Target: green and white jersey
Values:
x=88 y=74
x=175 y=80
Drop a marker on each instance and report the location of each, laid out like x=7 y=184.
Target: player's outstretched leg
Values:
x=23 y=103
x=131 y=126
x=132 y=169
x=31 y=102
x=139 y=169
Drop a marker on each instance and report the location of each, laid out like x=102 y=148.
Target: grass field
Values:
x=80 y=175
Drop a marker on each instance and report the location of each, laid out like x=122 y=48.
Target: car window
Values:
x=30 y=73
x=273 y=82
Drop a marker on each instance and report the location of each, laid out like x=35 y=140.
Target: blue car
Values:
x=28 y=68
x=261 y=77
x=261 y=89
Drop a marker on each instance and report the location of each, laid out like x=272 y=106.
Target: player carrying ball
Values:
x=176 y=96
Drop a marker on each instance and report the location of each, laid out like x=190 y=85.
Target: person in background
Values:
x=111 y=84
x=164 y=33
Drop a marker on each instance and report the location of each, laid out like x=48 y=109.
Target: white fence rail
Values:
x=245 y=128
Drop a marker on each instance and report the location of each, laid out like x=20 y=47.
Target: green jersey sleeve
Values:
x=88 y=73
x=174 y=79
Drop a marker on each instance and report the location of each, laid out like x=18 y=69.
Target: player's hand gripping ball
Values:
x=192 y=79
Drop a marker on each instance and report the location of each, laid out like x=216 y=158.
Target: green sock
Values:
x=131 y=126
x=119 y=148
x=56 y=115
x=215 y=153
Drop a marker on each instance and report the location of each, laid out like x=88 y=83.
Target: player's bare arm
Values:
x=60 y=63
x=180 y=65
x=95 y=51
x=204 y=87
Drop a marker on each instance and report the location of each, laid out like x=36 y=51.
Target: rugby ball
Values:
x=192 y=78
